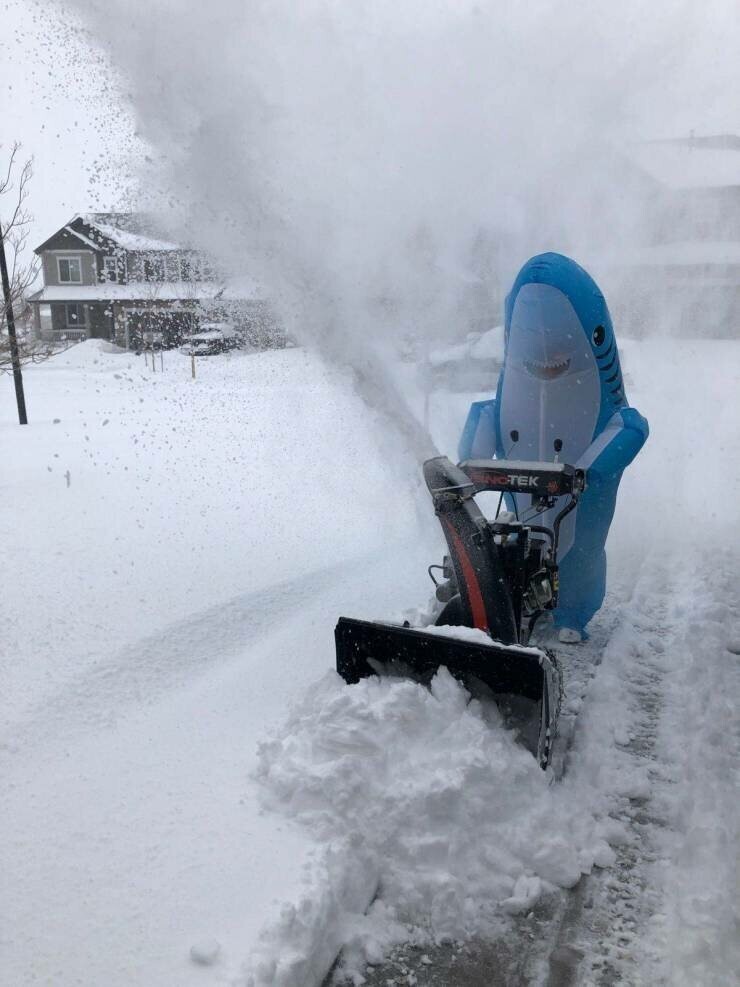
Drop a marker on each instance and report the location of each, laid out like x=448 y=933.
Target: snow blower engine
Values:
x=500 y=576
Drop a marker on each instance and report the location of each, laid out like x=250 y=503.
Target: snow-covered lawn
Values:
x=176 y=553
x=191 y=796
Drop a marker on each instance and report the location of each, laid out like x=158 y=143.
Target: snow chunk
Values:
x=205 y=953
x=300 y=948
x=557 y=861
x=526 y=893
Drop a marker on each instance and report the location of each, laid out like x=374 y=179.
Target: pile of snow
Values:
x=424 y=796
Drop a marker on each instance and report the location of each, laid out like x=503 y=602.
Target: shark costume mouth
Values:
x=546 y=371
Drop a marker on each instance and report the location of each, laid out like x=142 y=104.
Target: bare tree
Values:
x=18 y=343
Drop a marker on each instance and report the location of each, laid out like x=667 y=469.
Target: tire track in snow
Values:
x=141 y=672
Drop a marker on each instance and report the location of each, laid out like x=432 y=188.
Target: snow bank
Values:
x=424 y=795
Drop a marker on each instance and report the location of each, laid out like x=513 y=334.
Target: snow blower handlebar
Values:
x=544 y=481
x=513 y=476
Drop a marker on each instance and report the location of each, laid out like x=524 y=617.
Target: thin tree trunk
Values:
x=20 y=397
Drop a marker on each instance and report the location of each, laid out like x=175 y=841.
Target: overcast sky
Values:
x=60 y=96
x=57 y=98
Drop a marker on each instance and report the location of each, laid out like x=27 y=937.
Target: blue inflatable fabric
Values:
x=561 y=383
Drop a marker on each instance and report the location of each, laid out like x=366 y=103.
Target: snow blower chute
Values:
x=499 y=578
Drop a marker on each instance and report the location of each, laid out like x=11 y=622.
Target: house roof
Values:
x=148 y=292
x=128 y=230
x=693 y=163
x=81 y=236
x=684 y=264
x=691 y=253
x=107 y=230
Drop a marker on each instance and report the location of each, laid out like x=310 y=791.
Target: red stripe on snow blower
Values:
x=472 y=586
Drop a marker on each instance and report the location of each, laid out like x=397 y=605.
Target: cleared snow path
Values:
x=599 y=929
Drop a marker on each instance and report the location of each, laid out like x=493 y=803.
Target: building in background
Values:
x=682 y=275
x=110 y=276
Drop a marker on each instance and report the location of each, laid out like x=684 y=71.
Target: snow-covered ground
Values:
x=176 y=554
x=191 y=796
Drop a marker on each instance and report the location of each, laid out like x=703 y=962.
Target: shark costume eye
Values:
x=599 y=335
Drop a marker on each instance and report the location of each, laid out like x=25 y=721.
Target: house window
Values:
x=135 y=267
x=172 y=267
x=186 y=269
x=114 y=268
x=70 y=270
x=110 y=269
x=75 y=315
x=153 y=269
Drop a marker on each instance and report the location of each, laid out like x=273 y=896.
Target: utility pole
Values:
x=15 y=359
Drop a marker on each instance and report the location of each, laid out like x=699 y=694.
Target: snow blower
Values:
x=499 y=578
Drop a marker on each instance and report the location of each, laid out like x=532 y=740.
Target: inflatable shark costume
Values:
x=561 y=396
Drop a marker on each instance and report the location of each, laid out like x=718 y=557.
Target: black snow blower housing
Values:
x=499 y=577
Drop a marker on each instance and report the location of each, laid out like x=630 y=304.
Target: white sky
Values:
x=58 y=96
x=57 y=99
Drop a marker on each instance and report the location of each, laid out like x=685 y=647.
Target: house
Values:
x=112 y=276
x=683 y=276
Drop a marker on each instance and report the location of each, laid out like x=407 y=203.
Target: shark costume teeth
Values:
x=547 y=371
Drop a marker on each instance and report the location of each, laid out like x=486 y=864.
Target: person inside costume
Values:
x=561 y=397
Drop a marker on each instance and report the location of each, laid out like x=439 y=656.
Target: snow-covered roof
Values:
x=687 y=253
x=135 y=291
x=488 y=345
x=124 y=236
x=448 y=354
x=683 y=165
x=240 y=287
x=81 y=236
x=148 y=291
